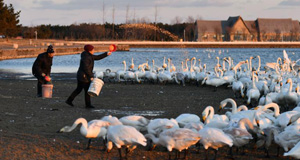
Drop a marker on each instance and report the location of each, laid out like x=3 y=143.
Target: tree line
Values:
x=109 y=31
x=132 y=29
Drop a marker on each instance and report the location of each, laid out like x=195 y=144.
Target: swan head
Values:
x=164 y=65
x=64 y=129
x=289 y=81
x=242 y=94
x=203 y=118
x=109 y=146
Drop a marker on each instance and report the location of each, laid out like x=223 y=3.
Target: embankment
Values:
x=24 y=49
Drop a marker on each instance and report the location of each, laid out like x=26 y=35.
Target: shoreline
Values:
x=25 y=49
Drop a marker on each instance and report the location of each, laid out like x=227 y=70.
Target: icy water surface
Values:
x=70 y=63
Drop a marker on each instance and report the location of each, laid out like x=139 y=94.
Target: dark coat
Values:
x=85 y=71
x=42 y=64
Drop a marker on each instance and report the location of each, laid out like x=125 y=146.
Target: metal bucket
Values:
x=95 y=87
x=47 y=90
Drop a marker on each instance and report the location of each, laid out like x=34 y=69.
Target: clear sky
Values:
x=66 y=12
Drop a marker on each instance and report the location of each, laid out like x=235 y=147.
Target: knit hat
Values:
x=50 y=49
x=88 y=47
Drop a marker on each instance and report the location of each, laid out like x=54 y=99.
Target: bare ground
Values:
x=28 y=124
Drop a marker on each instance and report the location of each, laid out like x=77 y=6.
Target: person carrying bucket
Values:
x=42 y=67
x=85 y=74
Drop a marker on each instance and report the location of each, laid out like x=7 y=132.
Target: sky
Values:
x=67 y=12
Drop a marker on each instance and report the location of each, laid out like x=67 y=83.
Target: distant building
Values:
x=236 y=29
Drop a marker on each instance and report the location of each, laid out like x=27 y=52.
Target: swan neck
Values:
x=272 y=105
x=291 y=86
x=233 y=105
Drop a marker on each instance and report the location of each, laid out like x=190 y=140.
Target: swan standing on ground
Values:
x=214 y=138
x=127 y=136
x=253 y=93
x=177 y=138
x=214 y=120
x=120 y=73
x=294 y=152
x=93 y=129
x=131 y=66
x=112 y=120
x=186 y=118
x=239 y=133
x=138 y=122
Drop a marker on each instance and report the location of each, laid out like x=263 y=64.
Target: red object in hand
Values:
x=47 y=78
x=112 y=48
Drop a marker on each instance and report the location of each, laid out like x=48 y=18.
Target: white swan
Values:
x=288 y=138
x=265 y=117
x=294 y=152
x=164 y=63
x=194 y=126
x=120 y=73
x=238 y=89
x=239 y=134
x=151 y=75
x=138 y=122
x=176 y=138
x=214 y=120
x=112 y=120
x=122 y=135
x=253 y=93
x=214 y=138
x=93 y=129
x=186 y=118
x=291 y=98
x=156 y=126
x=131 y=66
x=238 y=113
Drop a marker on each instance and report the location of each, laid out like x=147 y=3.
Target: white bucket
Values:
x=47 y=90
x=95 y=87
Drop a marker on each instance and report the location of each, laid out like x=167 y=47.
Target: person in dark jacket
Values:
x=85 y=74
x=41 y=68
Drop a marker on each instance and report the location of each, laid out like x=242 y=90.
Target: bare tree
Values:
x=103 y=17
x=155 y=20
x=176 y=20
x=127 y=14
x=103 y=12
x=113 y=21
x=190 y=19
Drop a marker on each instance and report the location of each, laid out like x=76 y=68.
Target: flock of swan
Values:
x=262 y=126
x=273 y=95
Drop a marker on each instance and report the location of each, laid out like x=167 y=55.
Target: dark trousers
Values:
x=41 y=81
x=80 y=86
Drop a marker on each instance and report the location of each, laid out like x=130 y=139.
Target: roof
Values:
x=275 y=25
x=209 y=26
x=251 y=25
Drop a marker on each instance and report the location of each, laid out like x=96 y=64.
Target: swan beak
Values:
x=243 y=96
x=257 y=122
x=256 y=108
x=60 y=131
x=220 y=108
x=204 y=118
x=289 y=123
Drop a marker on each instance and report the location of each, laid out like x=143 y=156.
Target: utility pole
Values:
x=35 y=32
x=184 y=35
